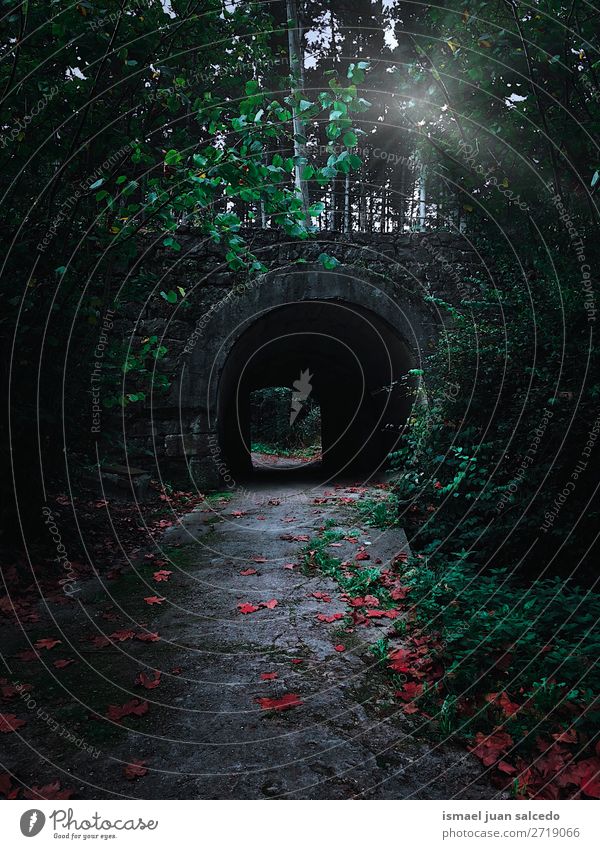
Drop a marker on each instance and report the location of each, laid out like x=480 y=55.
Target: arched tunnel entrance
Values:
x=343 y=356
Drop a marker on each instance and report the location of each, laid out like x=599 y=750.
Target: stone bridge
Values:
x=359 y=329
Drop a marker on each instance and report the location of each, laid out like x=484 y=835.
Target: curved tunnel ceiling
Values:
x=357 y=365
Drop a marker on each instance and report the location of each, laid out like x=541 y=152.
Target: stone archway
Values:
x=352 y=333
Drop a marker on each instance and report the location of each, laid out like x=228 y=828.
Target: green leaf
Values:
x=170 y=296
x=350 y=139
x=172 y=157
x=328 y=262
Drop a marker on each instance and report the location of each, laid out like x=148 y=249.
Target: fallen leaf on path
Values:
x=340 y=647
x=147 y=682
x=147 y=636
x=9 y=722
x=121 y=636
x=248 y=572
x=134 y=707
x=272 y=603
x=136 y=769
x=46 y=643
x=6 y=788
x=100 y=641
x=48 y=791
x=295 y=537
x=246 y=607
x=268 y=676
x=162 y=575
x=154 y=599
x=331 y=617
x=321 y=596
x=297 y=660
x=290 y=700
x=60 y=664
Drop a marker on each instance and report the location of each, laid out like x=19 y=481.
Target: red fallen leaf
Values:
x=259 y=559
x=147 y=636
x=5 y=785
x=147 y=682
x=335 y=544
x=321 y=596
x=117 y=712
x=410 y=708
x=569 y=736
x=238 y=513
x=363 y=555
x=295 y=537
x=371 y=601
x=357 y=602
x=261 y=518
x=410 y=691
x=272 y=603
x=489 y=748
x=246 y=607
x=290 y=700
x=509 y=708
x=8 y=690
x=248 y=572
x=100 y=641
x=154 y=599
x=60 y=664
x=121 y=636
x=48 y=791
x=400 y=660
x=136 y=769
x=399 y=593
x=46 y=643
x=504 y=766
x=297 y=660
x=289 y=565
x=340 y=647
x=375 y=614
x=402 y=556
x=162 y=575
x=331 y=617
x=9 y=722
x=268 y=676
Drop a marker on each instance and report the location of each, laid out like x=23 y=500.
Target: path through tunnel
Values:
x=341 y=355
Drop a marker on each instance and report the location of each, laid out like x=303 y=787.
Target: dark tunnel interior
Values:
x=346 y=357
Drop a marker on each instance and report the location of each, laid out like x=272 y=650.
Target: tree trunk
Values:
x=297 y=74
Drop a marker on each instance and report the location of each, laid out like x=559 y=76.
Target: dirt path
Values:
x=204 y=733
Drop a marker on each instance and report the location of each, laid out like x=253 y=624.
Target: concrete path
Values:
x=204 y=733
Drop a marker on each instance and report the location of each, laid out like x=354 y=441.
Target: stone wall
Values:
x=387 y=275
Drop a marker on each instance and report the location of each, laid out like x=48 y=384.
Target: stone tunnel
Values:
x=361 y=331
